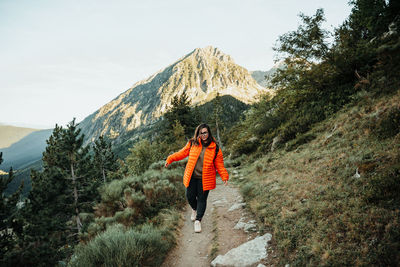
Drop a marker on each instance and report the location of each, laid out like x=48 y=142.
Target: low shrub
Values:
x=135 y=199
x=388 y=124
x=142 y=155
x=235 y=162
x=245 y=146
x=384 y=187
x=126 y=216
x=161 y=194
x=158 y=165
x=247 y=190
x=146 y=246
x=168 y=220
x=113 y=191
x=300 y=140
x=300 y=122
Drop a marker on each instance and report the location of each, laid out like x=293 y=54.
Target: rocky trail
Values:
x=229 y=235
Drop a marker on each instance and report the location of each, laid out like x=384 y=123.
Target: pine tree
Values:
x=308 y=43
x=10 y=220
x=59 y=193
x=72 y=146
x=182 y=112
x=48 y=235
x=178 y=133
x=217 y=117
x=104 y=160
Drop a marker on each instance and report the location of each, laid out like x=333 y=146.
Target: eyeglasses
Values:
x=204 y=133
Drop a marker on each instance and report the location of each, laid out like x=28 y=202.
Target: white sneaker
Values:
x=197 y=227
x=193 y=216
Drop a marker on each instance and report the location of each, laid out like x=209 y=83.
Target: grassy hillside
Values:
x=12 y=134
x=330 y=196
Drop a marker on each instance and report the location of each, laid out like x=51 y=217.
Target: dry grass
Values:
x=313 y=201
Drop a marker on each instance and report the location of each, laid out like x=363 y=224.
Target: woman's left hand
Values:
x=226 y=182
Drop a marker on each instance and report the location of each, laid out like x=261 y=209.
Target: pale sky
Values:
x=61 y=59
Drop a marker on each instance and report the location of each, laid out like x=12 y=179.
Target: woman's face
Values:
x=203 y=134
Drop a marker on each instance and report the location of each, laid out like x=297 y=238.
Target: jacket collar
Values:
x=211 y=145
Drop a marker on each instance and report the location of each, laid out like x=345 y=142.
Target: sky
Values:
x=64 y=59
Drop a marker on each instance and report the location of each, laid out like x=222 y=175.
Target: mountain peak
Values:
x=201 y=74
x=210 y=52
x=207 y=50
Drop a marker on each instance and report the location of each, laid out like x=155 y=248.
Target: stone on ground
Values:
x=246 y=254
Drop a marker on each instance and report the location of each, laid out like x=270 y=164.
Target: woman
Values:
x=205 y=158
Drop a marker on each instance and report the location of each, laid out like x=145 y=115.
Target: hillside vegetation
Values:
x=334 y=200
x=320 y=161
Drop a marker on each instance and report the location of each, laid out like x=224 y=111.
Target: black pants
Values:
x=196 y=197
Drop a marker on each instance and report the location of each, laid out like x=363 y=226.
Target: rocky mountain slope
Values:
x=201 y=74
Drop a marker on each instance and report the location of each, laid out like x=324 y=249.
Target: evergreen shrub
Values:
x=232 y=162
x=158 y=165
x=244 y=145
x=119 y=247
x=114 y=191
x=136 y=199
x=142 y=155
x=126 y=216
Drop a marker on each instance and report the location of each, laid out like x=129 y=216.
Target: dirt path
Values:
x=218 y=235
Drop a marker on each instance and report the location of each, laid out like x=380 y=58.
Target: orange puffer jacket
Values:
x=209 y=165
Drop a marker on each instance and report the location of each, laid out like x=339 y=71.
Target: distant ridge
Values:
x=27 y=150
x=11 y=134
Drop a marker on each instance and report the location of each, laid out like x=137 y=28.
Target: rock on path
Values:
x=246 y=254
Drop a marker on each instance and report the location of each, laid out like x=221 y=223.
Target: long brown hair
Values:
x=194 y=139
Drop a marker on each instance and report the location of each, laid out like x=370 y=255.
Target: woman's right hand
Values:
x=166 y=164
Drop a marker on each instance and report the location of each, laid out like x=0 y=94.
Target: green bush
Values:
x=168 y=219
x=300 y=140
x=384 y=187
x=135 y=199
x=119 y=247
x=245 y=145
x=158 y=165
x=235 y=162
x=388 y=125
x=162 y=193
x=126 y=216
x=301 y=121
x=247 y=190
x=142 y=155
x=112 y=191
